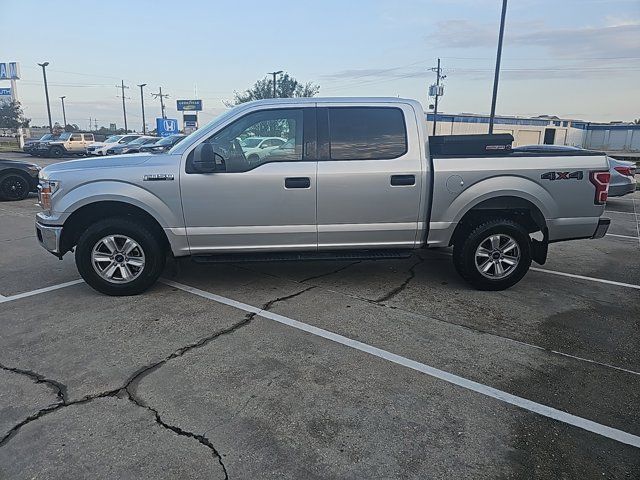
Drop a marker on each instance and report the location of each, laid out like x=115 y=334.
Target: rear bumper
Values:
x=49 y=238
x=603 y=226
x=620 y=190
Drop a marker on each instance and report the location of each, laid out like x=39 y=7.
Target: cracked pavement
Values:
x=173 y=385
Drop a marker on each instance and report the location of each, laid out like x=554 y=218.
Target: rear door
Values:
x=369 y=176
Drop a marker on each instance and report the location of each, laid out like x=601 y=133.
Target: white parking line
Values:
x=583 y=277
x=621 y=236
x=544 y=410
x=618 y=211
x=38 y=291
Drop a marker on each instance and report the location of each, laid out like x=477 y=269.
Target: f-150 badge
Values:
x=158 y=177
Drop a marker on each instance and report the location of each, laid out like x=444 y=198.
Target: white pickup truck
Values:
x=355 y=178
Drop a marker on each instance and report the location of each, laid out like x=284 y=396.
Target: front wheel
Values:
x=56 y=152
x=495 y=254
x=118 y=256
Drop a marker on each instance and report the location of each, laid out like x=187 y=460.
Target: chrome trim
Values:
x=49 y=237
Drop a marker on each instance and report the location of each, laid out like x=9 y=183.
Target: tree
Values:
x=11 y=115
x=637 y=121
x=286 y=87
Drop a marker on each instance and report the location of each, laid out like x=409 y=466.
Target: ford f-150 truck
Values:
x=356 y=178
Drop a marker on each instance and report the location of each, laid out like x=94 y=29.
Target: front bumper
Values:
x=603 y=226
x=49 y=238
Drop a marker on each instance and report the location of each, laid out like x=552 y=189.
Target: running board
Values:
x=294 y=256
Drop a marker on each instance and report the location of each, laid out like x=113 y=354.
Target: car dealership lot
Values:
x=236 y=370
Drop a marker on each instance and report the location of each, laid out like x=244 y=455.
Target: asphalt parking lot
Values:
x=369 y=369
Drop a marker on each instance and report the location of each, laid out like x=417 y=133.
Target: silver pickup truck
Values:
x=354 y=178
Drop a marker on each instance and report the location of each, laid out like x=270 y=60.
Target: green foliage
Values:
x=11 y=115
x=286 y=87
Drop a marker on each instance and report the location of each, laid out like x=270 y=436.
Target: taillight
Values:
x=601 y=181
x=624 y=171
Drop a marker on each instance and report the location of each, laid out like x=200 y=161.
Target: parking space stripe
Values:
x=618 y=211
x=583 y=277
x=621 y=236
x=544 y=410
x=38 y=291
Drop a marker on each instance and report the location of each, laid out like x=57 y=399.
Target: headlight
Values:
x=46 y=189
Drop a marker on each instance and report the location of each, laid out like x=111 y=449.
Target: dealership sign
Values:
x=5 y=95
x=166 y=126
x=9 y=71
x=189 y=105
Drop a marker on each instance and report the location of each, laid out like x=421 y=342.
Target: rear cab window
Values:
x=366 y=133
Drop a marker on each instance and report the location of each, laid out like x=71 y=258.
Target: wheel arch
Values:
x=81 y=218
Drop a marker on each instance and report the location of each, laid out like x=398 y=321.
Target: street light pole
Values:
x=46 y=93
x=274 y=81
x=144 y=123
x=64 y=114
x=497 y=73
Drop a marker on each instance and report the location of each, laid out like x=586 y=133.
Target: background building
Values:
x=620 y=140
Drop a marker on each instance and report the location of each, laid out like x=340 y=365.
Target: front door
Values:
x=369 y=177
x=258 y=203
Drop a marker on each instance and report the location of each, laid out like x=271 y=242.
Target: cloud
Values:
x=619 y=38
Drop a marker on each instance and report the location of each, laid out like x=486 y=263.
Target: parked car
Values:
x=255 y=148
x=17 y=179
x=623 y=173
x=163 y=145
x=132 y=147
x=365 y=182
x=66 y=144
x=31 y=145
x=39 y=149
x=100 y=148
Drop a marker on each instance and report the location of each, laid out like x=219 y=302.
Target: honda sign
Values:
x=167 y=126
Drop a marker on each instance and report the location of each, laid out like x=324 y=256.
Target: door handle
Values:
x=399 y=180
x=297 y=182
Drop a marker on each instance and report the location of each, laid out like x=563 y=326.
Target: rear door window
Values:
x=366 y=133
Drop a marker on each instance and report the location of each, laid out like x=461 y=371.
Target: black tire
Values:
x=152 y=248
x=14 y=186
x=56 y=152
x=464 y=254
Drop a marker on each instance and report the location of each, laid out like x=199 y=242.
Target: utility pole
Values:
x=124 y=108
x=436 y=92
x=46 y=93
x=64 y=115
x=497 y=73
x=89 y=123
x=161 y=96
x=144 y=123
x=274 y=81
x=95 y=124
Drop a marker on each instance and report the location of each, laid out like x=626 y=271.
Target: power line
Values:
x=161 y=96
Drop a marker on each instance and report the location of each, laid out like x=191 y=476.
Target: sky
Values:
x=572 y=58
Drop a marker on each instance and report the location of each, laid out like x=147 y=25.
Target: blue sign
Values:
x=166 y=126
x=189 y=105
x=5 y=92
x=9 y=71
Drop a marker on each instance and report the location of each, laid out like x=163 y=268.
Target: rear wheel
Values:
x=494 y=254
x=118 y=256
x=14 y=186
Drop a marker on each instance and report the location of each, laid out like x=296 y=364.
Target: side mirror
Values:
x=205 y=160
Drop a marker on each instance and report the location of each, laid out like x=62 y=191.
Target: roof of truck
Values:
x=268 y=101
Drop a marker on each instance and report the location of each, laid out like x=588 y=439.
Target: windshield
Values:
x=48 y=136
x=168 y=140
x=195 y=134
x=65 y=136
x=113 y=139
x=138 y=141
x=251 y=142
